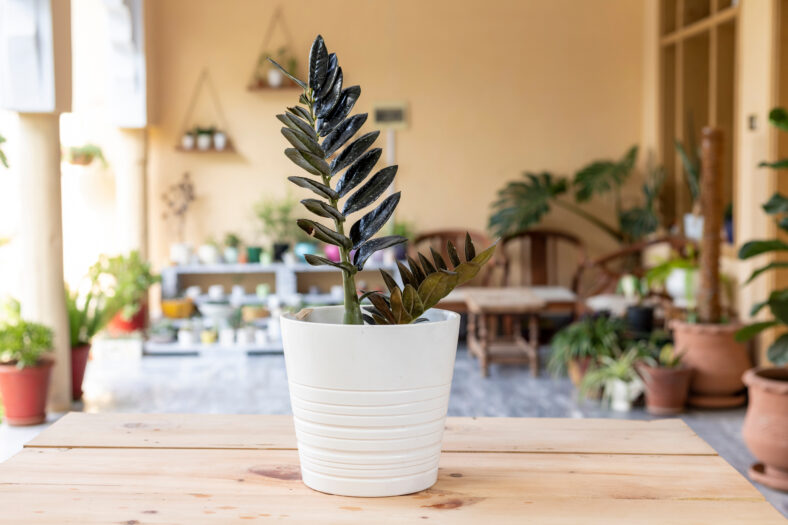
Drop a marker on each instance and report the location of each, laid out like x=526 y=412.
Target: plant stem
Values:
x=618 y=236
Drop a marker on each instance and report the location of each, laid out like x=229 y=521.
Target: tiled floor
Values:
x=258 y=385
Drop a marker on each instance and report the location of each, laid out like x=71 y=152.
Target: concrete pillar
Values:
x=130 y=190
x=41 y=235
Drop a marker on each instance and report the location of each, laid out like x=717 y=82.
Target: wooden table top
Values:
x=168 y=469
x=553 y=296
x=503 y=300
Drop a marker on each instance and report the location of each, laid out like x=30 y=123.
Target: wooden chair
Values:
x=437 y=240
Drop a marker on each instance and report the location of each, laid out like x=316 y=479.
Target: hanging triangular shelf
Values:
x=266 y=77
x=192 y=140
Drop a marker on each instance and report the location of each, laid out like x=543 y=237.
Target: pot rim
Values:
x=448 y=317
x=754 y=378
x=44 y=362
x=711 y=328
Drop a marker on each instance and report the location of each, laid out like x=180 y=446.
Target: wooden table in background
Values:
x=194 y=469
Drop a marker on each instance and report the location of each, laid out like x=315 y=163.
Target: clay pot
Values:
x=666 y=388
x=79 y=360
x=577 y=368
x=717 y=360
x=766 y=425
x=24 y=392
x=119 y=325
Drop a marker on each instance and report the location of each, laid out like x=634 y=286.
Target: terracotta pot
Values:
x=135 y=324
x=577 y=368
x=666 y=388
x=79 y=360
x=717 y=360
x=24 y=392
x=765 y=429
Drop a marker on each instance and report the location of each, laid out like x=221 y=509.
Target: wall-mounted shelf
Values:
x=229 y=148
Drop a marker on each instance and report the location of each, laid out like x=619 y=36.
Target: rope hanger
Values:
x=277 y=17
x=205 y=79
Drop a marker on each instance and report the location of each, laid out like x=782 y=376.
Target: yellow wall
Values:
x=494 y=88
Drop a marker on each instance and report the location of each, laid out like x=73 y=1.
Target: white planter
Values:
x=219 y=140
x=621 y=394
x=682 y=286
x=187 y=141
x=693 y=226
x=275 y=78
x=227 y=336
x=230 y=254
x=209 y=254
x=181 y=253
x=369 y=402
x=203 y=141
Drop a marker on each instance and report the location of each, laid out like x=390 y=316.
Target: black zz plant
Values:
x=318 y=129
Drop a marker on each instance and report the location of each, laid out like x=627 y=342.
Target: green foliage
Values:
x=85 y=154
x=3 y=159
x=691 y=162
x=522 y=204
x=592 y=337
x=126 y=279
x=611 y=368
x=22 y=343
x=426 y=282
x=657 y=275
x=600 y=177
x=232 y=240
x=777 y=302
x=319 y=130
x=404 y=229
x=277 y=219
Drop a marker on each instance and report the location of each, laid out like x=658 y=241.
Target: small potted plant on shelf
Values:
x=84 y=155
x=188 y=140
x=277 y=220
x=639 y=316
x=232 y=243
x=177 y=200
x=208 y=252
x=389 y=362
x=766 y=423
x=708 y=346
x=24 y=367
x=665 y=377
x=272 y=77
x=204 y=137
x=579 y=347
x=131 y=277
x=617 y=378
x=219 y=140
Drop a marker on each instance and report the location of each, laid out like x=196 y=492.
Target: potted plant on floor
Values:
x=766 y=424
x=617 y=378
x=678 y=277
x=639 y=316
x=24 y=367
x=131 y=278
x=665 y=377
x=369 y=400
x=709 y=346
x=579 y=347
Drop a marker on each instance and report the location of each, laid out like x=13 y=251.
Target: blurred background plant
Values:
x=22 y=343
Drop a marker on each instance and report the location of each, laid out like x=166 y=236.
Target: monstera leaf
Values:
x=604 y=175
x=523 y=203
x=320 y=130
x=425 y=283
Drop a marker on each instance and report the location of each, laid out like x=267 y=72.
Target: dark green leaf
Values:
x=401 y=316
x=435 y=287
x=287 y=73
x=778 y=117
x=373 y=221
x=426 y=264
x=296 y=123
x=771 y=266
x=522 y=204
x=453 y=256
x=757 y=307
x=373 y=245
x=331 y=76
x=302 y=99
x=317 y=187
x=322 y=233
x=439 y=262
x=777 y=165
x=389 y=280
x=691 y=171
x=778 y=351
x=346 y=102
x=316 y=260
x=416 y=270
x=322 y=209
x=783 y=224
x=353 y=151
x=412 y=302
x=637 y=222
x=368 y=319
x=470 y=250
x=753 y=248
x=318 y=64
x=406 y=275
x=750 y=331
x=776 y=204
x=328 y=102
x=356 y=173
x=383 y=307
x=303 y=113
x=603 y=175
x=344 y=132
x=301 y=142
x=299 y=159
x=371 y=190
x=778 y=304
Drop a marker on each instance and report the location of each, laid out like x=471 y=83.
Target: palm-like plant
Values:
x=320 y=129
x=777 y=302
x=522 y=203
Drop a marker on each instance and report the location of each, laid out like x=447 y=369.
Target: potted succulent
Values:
x=131 y=276
x=766 y=423
x=617 y=378
x=209 y=253
x=690 y=158
x=665 y=377
x=24 y=367
x=639 y=316
x=204 y=137
x=84 y=155
x=278 y=224
x=188 y=140
x=354 y=372
x=579 y=347
x=219 y=140
x=708 y=346
x=231 y=245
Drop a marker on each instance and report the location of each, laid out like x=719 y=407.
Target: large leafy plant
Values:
x=320 y=130
x=590 y=337
x=777 y=302
x=522 y=204
x=92 y=306
x=127 y=279
x=22 y=343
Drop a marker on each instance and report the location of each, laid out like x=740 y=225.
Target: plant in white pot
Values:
x=369 y=400
x=690 y=159
x=618 y=379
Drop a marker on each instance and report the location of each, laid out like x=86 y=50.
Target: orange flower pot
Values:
x=24 y=392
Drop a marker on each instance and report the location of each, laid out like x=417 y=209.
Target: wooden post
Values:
x=711 y=209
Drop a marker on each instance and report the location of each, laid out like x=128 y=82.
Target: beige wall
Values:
x=494 y=88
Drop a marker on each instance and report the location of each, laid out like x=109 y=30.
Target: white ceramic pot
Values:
x=682 y=286
x=230 y=254
x=187 y=141
x=275 y=78
x=369 y=402
x=227 y=336
x=693 y=226
x=219 y=140
x=245 y=335
x=203 y=141
x=621 y=394
x=209 y=254
x=180 y=253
